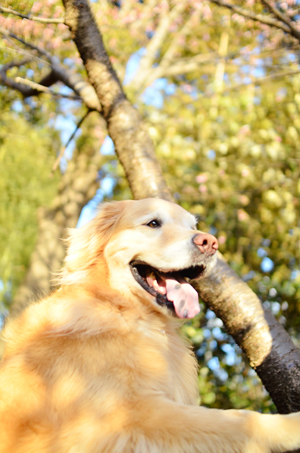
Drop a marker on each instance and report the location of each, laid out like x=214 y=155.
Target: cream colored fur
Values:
x=99 y=365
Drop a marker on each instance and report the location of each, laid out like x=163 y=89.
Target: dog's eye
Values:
x=154 y=224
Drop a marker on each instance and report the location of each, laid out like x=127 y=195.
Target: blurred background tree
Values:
x=218 y=86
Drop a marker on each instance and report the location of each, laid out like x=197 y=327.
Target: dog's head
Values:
x=145 y=248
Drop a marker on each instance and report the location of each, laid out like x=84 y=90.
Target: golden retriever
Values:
x=99 y=366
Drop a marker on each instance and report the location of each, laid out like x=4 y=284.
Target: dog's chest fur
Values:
x=168 y=364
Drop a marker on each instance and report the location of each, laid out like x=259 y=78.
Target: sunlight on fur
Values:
x=99 y=366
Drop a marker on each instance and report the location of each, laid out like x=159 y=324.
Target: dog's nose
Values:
x=206 y=242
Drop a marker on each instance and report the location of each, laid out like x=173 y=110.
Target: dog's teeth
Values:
x=152 y=281
x=158 y=288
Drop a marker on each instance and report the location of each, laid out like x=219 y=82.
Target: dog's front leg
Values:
x=169 y=427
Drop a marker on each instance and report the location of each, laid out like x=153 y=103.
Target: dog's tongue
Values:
x=178 y=291
x=184 y=296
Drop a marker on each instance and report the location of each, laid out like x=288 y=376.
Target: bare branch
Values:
x=130 y=136
x=76 y=83
x=283 y=18
x=185 y=30
x=41 y=88
x=263 y=339
x=72 y=80
x=23 y=89
x=31 y=17
x=155 y=44
x=183 y=66
x=23 y=86
x=140 y=23
x=188 y=65
x=62 y=151
x=250 y=15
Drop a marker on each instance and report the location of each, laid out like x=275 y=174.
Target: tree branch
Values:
x=148 y=9
x=132 y=142
x=20 y=50
x=256 y=17
x=183 y=32
x=36 y=87
x=155 y=44
x=267 y=345
x=31 y=17
x=239 y=308
x=166 y=67
x=181 y=67
x=72 y=80
x=23 y=89
x=283 y=18
x=78 y=185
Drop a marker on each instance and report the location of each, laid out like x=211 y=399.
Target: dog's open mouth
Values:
x=170 y=288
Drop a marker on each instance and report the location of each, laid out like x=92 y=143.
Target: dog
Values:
x=99 y=365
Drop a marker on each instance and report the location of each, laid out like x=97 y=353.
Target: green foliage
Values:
x=230 y=153
x=26 y=155
x=234 y=162
x=241 y=178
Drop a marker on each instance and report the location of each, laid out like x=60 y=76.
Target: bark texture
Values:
x=268 y=347
x=78 y=186
x=132 y=141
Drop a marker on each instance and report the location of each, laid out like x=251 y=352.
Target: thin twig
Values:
x=62 y=151
x=29 y=16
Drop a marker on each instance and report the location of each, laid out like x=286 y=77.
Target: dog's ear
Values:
x=86 y=244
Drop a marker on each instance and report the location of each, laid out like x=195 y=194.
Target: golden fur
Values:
x=99 y=366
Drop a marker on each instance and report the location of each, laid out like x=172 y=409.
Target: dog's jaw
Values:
x=170 y=289
x=160 y=298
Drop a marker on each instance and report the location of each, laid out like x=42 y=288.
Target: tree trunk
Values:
x=268 y=347
x=78 y=186
x=130 y=136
